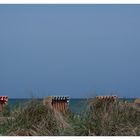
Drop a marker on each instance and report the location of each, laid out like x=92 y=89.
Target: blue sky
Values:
x=76 y=50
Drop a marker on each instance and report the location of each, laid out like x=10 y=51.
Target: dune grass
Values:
x=99 y=119
x=109 y=119
x=34 y=120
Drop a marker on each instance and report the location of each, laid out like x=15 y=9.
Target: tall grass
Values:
x=33 y=120
x=108 y=119
x=99 y=119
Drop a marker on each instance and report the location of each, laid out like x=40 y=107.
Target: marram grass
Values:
x=99 y=119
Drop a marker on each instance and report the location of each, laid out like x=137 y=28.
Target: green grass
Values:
x=111 y=119
x=99 y=119
x=34 y=119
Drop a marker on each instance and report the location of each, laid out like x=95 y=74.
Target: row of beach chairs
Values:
x=61 y=103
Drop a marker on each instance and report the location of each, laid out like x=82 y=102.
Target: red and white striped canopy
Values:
x=4 y=99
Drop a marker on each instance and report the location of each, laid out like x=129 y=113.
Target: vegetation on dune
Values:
x=33 y=120
x=99 y=119
x=107 y=119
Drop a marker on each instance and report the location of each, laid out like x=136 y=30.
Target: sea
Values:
x=75 y=105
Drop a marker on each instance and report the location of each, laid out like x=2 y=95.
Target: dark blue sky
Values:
x=76 y=50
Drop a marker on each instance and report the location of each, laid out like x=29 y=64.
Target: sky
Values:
x=75 y=50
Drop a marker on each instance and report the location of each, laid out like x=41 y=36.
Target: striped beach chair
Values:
x=3 y=102
x=60 y=103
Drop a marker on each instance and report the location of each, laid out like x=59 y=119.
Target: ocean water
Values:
x=76 y=105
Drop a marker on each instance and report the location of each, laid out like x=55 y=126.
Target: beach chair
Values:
x=59 y=103
x=3 y=102
x=111 y=98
